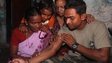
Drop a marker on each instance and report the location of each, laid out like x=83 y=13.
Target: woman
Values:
x=34 y=40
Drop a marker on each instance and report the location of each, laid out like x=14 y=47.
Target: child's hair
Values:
x=47 y=4
x=32 y=11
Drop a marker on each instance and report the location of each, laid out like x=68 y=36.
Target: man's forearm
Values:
x=96 y=54
x=42 y=56
x=48 y=52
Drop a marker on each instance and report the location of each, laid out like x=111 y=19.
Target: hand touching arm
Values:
x=48 y=52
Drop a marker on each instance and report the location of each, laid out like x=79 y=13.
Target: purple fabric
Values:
x=35 y=43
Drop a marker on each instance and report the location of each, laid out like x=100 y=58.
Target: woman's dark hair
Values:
x=78 y=5
x=46 y=4
x=32 y=11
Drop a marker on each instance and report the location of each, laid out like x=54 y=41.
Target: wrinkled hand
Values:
x=23 y=28
x=90 y=18
x=68 y=39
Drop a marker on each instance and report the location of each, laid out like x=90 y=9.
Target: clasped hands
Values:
x=68 y=39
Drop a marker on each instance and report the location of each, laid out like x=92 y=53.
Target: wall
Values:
x=2 y=21
x=101 y=9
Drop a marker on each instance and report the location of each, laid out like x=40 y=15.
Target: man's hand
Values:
x=68 y=39
x=89 y=18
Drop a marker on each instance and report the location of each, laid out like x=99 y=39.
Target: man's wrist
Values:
x=74 y=46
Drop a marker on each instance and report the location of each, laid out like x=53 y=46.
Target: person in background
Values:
x=47 y=13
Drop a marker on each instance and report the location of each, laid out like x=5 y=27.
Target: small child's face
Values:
x=46 y=14
x=35 y=22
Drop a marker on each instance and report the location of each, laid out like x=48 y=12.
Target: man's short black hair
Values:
x=78 y=5
x=46 y=4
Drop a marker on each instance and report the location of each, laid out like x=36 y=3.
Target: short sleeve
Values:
x=101 y=36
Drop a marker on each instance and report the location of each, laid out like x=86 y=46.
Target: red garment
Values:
x=17 y=37
x=51 y=22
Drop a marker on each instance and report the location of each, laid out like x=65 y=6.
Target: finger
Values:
x=15 y=61
x=68 y=36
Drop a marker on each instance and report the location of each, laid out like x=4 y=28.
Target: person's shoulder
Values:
x=16 y=30
x=97 y=23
